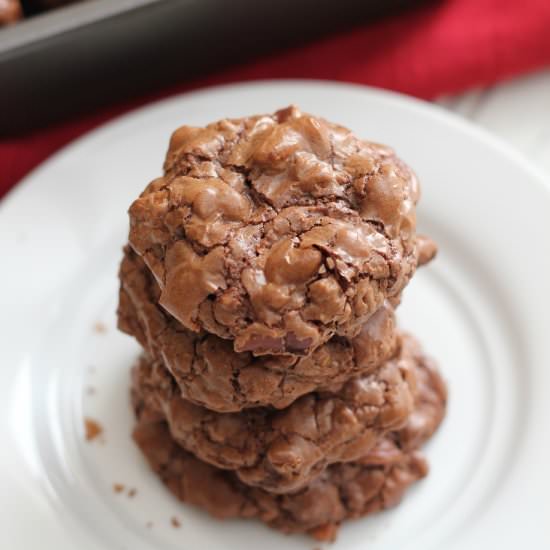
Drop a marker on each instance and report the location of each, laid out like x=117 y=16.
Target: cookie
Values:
x=277 y=231
x=342 y=491
x=282 y=451
x=211 y=374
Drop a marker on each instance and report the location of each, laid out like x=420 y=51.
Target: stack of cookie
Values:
x=261 y=278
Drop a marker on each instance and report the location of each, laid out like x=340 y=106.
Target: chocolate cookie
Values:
x=210 y=373
x=10 y=12
x=277 y=231
x=342 y=491
x=281 y=451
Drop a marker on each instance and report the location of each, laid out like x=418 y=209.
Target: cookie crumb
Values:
x=149 y=525
x=132 y=492
x=118 y=487
x=90 y=390
x=326 y=532
x=175 y=522
x=93 y=429
x=100 y=328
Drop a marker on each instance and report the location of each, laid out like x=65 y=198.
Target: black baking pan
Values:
x=80 y=56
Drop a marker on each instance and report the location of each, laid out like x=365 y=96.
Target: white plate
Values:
x=482 y=309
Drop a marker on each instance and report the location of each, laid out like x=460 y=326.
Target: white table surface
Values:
x=517 y=111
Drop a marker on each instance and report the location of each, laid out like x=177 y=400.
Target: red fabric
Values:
x=449 y=47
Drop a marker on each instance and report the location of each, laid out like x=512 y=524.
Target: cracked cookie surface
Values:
x=281 y=451
x=210 y=373
x=277 y=231
x=342 y=491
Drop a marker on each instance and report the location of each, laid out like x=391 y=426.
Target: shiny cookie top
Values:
x=277 y=231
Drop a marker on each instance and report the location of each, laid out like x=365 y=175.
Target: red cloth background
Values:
x=449 y=47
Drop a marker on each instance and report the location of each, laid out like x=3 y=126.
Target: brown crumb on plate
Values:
x=326 y=532
x=100 y=327
x=175 y=522
x=149 y=525
x=118 y=487
x=93 y=429
x=132 y=492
